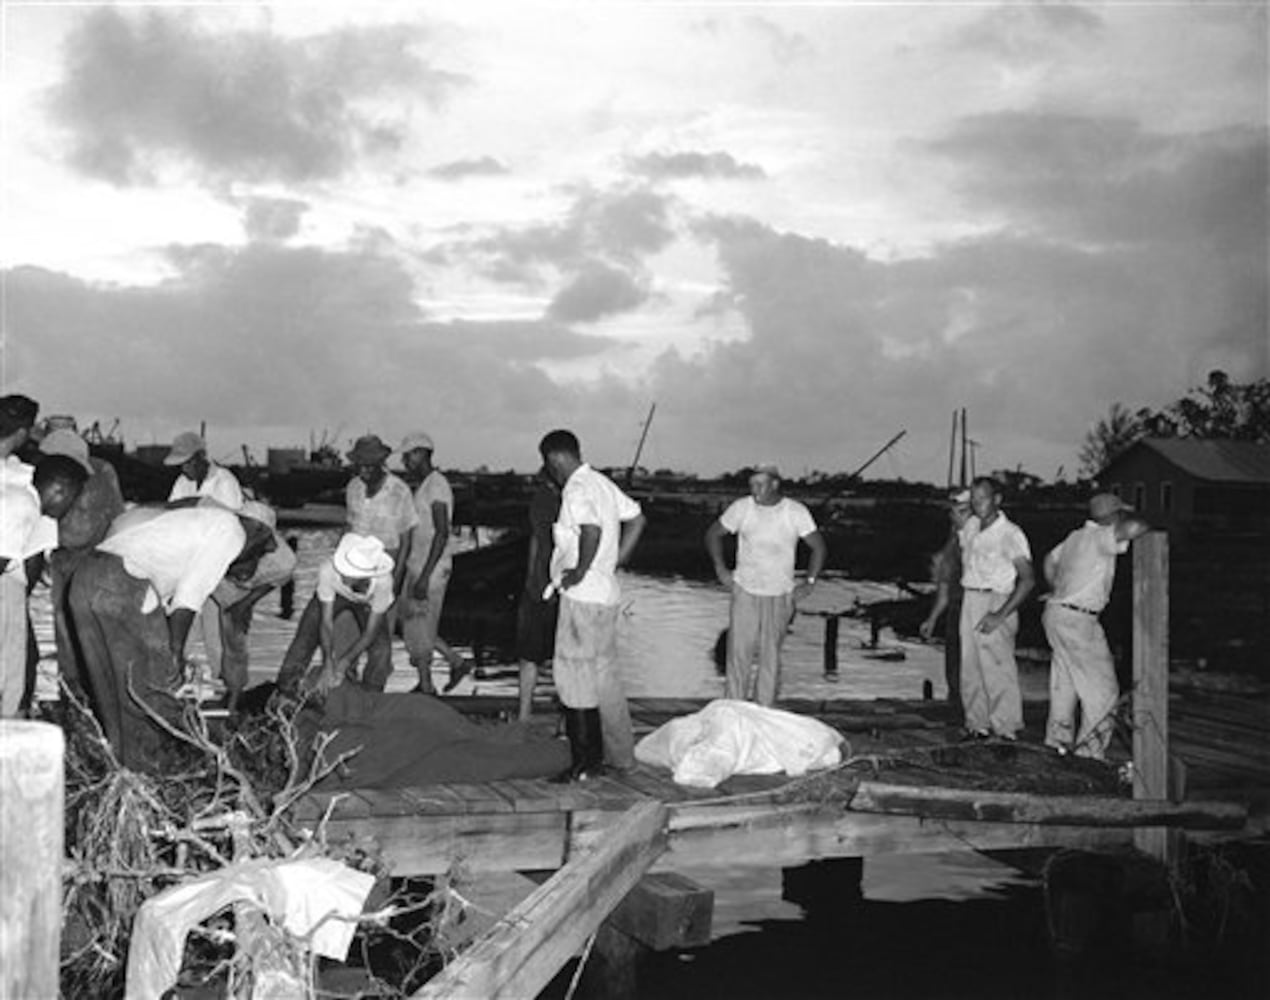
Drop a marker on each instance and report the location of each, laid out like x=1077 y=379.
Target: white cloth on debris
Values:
x=739 y=737
x=300 y=895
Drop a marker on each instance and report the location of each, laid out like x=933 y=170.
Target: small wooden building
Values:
x=1174 y=481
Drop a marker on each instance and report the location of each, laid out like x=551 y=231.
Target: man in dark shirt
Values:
x=946 y=574
x=536 y=616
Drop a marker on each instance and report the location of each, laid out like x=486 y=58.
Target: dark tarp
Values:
x=416 y=739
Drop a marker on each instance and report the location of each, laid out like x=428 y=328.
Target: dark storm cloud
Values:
x=1108 y=179
x=674 y=166
x=272 y=218
x=269 y=335
x=596 y=291
x=1192 y=210
x=141 y=89
x=484 y=166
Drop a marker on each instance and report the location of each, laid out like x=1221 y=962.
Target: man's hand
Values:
x=724 y=576
x=926 y=629
x=344 y=668
x=990 y=622
x=571 y=578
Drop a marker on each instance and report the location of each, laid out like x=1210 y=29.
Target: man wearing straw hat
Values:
x=1082 y=569
x=355 y=581
x=200 y=476
x=768 y=527
x=379 y=503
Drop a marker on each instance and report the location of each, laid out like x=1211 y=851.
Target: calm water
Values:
x=667 y=634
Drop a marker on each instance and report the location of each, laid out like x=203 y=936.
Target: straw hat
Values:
x=186 y=446
x=65 y=442
x=360 y=557
x=369 y=450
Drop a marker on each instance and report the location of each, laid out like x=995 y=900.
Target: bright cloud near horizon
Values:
x=796 y=229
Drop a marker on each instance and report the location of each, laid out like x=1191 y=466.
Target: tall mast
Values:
x=630 y=473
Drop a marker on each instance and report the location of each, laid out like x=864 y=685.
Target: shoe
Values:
x=971 y=735
x=458 y=671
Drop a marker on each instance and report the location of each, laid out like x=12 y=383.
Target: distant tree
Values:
x=1109 y=437
x=1219 y=409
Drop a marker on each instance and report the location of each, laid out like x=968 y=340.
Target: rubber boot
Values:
x=572 y=730
x=592 y=743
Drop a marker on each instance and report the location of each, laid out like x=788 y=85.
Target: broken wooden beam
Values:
x=525 y=949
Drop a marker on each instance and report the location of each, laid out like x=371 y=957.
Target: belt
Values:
x=979 y=590
x=1077 y=607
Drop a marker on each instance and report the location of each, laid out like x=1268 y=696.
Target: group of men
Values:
x=983 y=575
x=127 y=587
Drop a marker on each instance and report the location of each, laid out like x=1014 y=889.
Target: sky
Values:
x=797 y=229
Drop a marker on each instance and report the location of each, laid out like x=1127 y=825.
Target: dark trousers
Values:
x=952 y=653
x=350 y=623
x=127 y=658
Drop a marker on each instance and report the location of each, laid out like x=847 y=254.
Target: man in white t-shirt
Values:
x=428 y=564
x=996 y=577
x=357 y=581
x=595 y=532
x=768 y=527
x=132 y=601
x=1081 y=570
x=200 y=476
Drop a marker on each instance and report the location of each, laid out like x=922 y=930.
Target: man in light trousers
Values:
x=996 y=578
x=1081 y=571
x=768 y=527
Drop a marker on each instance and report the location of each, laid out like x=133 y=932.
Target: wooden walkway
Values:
x=1223 y=742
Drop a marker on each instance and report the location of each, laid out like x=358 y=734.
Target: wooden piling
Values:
x=1151 y=682
x=831 y=646
x=31 y=805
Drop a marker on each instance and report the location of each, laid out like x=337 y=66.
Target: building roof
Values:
x=1217 y=461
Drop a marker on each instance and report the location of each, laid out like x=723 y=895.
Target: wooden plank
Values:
x=1067 y=810
x=431 y=845
x=524 y=950
x=1151 y=678
x=528 y=795
x=481 y=798
x=386 y=802
x=434 y=800
x=32 y=796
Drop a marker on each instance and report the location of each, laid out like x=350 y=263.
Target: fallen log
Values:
x=1067 y=810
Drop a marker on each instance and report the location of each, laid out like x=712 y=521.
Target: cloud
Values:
x=273 y=218
x=1019 y=34
x=268 y=335
x=1110 y=180
x=457 y=170
x=786 y=47
x=596 y=291
x=674 y=166
x=141 y=91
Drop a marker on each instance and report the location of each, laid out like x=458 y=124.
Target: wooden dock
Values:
x=1223 y=742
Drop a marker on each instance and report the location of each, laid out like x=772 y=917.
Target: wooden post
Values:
x=1151 y=681
x=831 y=646
x=31 y=804
x=524 y=950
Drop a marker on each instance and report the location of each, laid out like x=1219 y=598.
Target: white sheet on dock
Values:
x=730 y=737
